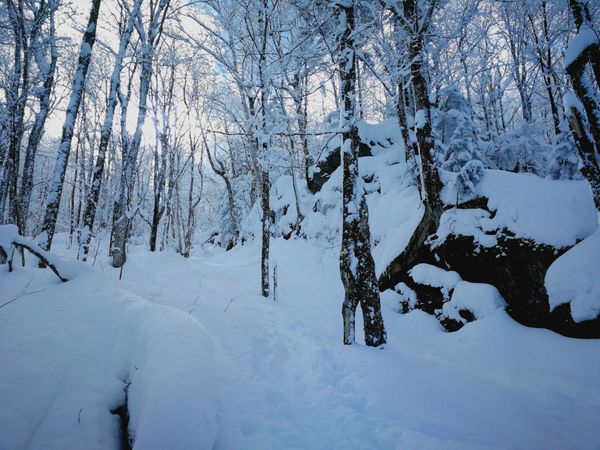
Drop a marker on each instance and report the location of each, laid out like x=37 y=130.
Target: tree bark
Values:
x=121 y=219
x=60 y=168
x=585 y=122
x=357 y=268
x=89 y=214
x=264 y=140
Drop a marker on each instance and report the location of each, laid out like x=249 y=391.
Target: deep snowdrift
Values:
x=70 y=350
x=280 y=377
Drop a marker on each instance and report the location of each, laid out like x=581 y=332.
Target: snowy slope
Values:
x=552 y=212
x=282 y=379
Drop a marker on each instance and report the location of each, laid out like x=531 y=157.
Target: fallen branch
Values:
x=230 y=302
x=37 y=252
x=22 y=294
x=9 y=238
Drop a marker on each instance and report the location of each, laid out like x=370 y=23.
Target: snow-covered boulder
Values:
x=433 y=276
x=574 y=278
x=551 y=212
x=445 y=295
x=471 y=301
x=508 y=236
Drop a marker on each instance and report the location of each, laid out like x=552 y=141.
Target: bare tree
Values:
x=105 y=132
x=121 y=216
x=60 y=167
x=584 y=110
x=357 y=267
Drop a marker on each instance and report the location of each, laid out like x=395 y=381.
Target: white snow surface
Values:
x=214 y=365
x=483 y=300
x=68 y=350
x=435 y=276
x=575 y=278
x=552 y=212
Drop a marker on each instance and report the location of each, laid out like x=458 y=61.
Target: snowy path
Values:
x=285 y=381
x=280 y=377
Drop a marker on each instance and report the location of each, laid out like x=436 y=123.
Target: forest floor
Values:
x=218 y=366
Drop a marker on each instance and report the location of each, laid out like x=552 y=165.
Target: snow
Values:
x=383 y=135
x=420 y=119
x=552 y=212
x=580 y=43
x=467 y=222
x=483 y=300
x=212 y=364
x=8 y=234
x=71 y=348
x=574 y=278
x=435 y=276
x=395 y=209
x=571 y=101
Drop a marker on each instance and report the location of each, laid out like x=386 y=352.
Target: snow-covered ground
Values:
x=213 y=365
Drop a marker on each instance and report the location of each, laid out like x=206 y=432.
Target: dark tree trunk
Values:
x=424 y=147
x=265 y=169
x=584 y=122
x=357 y=268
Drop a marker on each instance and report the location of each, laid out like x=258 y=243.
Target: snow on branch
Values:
x=585 y=39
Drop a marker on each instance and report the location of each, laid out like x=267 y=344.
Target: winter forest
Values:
x=299 y=224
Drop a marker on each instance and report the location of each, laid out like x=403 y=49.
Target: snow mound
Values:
x=382 y=135
x=81 y=349
x=170 y=368
x=436 y=277
x=482 y=300
x=552 y=212
x=575 y=278
x=8 y=234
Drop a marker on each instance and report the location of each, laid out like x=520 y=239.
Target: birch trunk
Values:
x=105 y=132
x=60 y=167
x=121 y=216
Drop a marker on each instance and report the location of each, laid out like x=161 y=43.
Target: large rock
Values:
x=516 y=266
x=323 y=169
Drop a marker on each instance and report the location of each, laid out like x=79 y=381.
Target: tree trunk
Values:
x=357 y=268
x=37 y=130
x=121 y=217
x=105 y=132
x=584 y=120
x=60 y=168
x=264 y=144
x=424 y=147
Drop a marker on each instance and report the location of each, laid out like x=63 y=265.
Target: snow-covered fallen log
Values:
x=10 y=237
